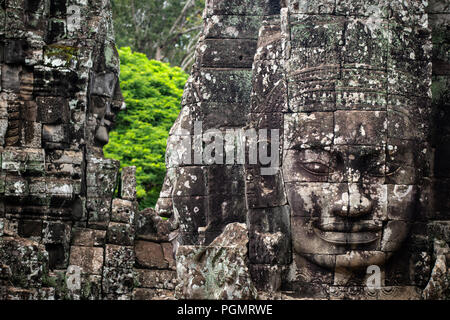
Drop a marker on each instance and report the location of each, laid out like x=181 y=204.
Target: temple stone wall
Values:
x=320 y=69
x=217 y=94
x=69 y=226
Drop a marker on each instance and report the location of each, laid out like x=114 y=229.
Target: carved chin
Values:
x=101 y=135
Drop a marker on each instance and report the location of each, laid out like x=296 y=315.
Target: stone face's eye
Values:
x=316 y=168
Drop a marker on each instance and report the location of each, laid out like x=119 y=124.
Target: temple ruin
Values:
x=340 y=109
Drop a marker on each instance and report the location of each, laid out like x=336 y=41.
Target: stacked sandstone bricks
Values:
x=217 y=94
x=154 y=267
x=51 y=53
x=311 y=34
x=62 y=235
x=268 y=210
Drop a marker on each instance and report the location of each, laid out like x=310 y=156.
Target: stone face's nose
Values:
x=359 y=203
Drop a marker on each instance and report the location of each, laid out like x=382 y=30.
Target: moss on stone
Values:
x=65 y=53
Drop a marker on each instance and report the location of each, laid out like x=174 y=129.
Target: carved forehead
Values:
x=356 y=78
x=351 y=127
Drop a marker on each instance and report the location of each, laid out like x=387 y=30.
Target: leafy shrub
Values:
x=152 y=91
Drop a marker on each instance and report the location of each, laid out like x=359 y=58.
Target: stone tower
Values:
x=348 y=85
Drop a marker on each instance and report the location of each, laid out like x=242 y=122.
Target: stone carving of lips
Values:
x=349 y=233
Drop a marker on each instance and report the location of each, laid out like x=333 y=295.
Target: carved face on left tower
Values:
x=105 y=103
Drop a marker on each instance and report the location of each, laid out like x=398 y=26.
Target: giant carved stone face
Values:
x=351 y=204
x=353 y=142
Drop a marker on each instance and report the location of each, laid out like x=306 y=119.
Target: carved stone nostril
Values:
x=340 y=211
x=361 y=209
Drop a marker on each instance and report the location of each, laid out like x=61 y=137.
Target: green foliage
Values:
x=163 y=30
x=152 y=91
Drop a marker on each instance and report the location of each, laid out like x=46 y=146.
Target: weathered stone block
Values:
x=221 y=272
x=395 y=233
x=363 y=8
x=101 y=177
x=55 y=133
x=164 y=207
x=271 y=42
x=360 y=127
x=30 y=229
x=226 y=86
x=122 y=211
x=98 y=212
x=118 y=277
x=264 y=190
x=26 y=261
x=103 y=84
x=120 y=234
x=266 y=278
x=404 y=115
x=308 y=165
x=168 y=252
x=152 y=294
x=52 y=110
x=407 y=161
x=156 y=279
x=236 y=7
x=353 y=163
x=14 y=51
x=366 y=42
x=217 y=115
x=369 y=93
x=192 y=211
x=150 y=255
x=16 y=187
x=12 y=293
x=128 y=183
x=11 y=78
x=62 y=188
x=312 y=7
x=226 y=53
x=222 y=210
x=88 y=237
x=31 y=134
x=400 y=200
x=303 y=130
x=318 y=93
x=150 y=226
x=269 y=94
x=89 y=259
x=217 y=174
x=14 y=160
x=190 y=182
x=351 y=259
x=269 y=236
x=231 y=27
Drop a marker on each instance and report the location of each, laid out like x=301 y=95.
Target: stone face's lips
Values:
x=361 y=226
x=347 y=237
